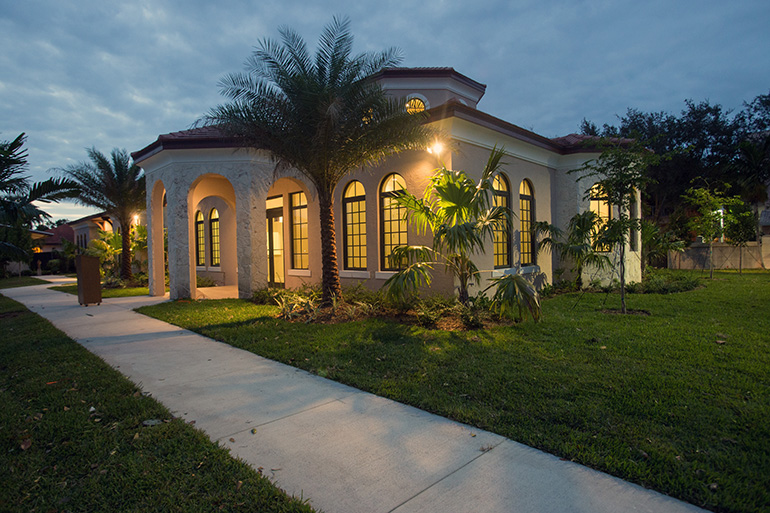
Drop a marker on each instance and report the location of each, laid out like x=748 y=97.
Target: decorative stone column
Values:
x=179 y=268
x=251 y=197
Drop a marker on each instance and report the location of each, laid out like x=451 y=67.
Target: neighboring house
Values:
x=54 y=242
x=15 y=267
x=51 y=247
x=87 y=229
x=232 y=215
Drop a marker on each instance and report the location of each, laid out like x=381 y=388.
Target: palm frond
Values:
x=407 y=281
x=515 y=295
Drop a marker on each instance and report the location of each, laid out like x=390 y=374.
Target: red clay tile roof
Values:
x=201 y=137
x=58 y=233
x=430 y=72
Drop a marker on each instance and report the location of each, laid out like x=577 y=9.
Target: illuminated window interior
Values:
x=299 y=230
x=501 y=237
x=527 y=218
x=600 y=205
x=354 y=214
x=415 y=105
x=214 y=229
x=392 y=221
x=200 y=244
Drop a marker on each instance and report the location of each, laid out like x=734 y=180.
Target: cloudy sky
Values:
x=76 y=74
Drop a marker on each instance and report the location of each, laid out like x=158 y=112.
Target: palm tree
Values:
x=579 y=245
x=322 y=115
x=17 y=196
x=114 y=185
x=462 y=217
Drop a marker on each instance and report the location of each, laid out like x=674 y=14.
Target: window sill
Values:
x=383 y=275
x=298 y=272
x=361 y=275
x=527 y=269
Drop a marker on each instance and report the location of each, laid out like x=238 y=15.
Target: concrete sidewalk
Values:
x=343 y=449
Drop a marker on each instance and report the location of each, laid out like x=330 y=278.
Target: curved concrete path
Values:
x=343 y=449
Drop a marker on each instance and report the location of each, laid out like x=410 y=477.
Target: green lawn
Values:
x=107 y=293
x=20 y=281
x=72 y=437
x=677 y=400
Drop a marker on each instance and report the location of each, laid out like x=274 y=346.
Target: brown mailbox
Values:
x=89 y=280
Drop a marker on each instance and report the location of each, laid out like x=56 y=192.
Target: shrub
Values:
x=112 y=281
x=139 y=280
x=663 y=281
x=54 y=265
x=263 y=297
x=471 y=317
x=292 y=305
x=204 y=281
x=430 y=310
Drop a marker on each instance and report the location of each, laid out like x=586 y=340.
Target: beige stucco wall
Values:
x=415 y=167
x=296 y=278
x=238 y=182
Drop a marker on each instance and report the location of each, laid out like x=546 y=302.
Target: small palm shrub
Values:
x=462 y=216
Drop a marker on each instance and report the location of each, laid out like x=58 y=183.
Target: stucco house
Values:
x=232 y=216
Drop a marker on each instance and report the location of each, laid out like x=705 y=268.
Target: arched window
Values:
x=299 y=230
x=214 y=234
x=527 y=219
x=602 y=207
x=415 y=105
x=501 y=235
x=392 y=221
x=354 y=226
x=200 y=241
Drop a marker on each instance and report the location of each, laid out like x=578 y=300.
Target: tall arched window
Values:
x=200 y=241
x=214 y=234
x=501 y=235
x=299 y=230
x=354 y=226
x=527 y=219
x=602 y=207
x=392 y=221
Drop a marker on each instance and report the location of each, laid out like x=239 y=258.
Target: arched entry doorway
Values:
x=156 y=241
x=213 y=248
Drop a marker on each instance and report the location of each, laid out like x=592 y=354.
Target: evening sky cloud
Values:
x=117 y=74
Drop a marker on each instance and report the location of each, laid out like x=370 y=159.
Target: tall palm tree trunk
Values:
x=330 y=277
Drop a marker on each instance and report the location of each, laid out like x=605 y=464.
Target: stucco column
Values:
x=180 y=271
x=251 y=233
x=156 y=262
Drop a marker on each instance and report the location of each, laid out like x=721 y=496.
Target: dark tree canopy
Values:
x=704 y=144
x=18 y=211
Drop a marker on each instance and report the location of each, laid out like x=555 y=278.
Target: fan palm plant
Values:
x=579 y=244
x=113 y=184
x=322 y=115
x=461 y=215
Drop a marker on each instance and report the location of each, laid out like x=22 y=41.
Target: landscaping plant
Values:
x=461 y=216
x=620 y=173
x=579 y=244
